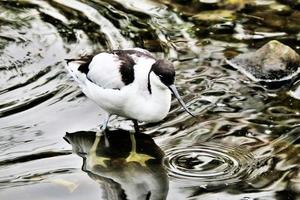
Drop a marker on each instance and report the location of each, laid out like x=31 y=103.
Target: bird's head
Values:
x=163 y=73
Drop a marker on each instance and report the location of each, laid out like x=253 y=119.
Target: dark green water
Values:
x=243 y=145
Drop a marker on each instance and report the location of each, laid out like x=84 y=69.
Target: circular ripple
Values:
x=210 y=163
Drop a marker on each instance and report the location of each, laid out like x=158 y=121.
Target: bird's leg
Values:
x=133 y=155
x=92 y=159
x=136 y=126
x=103 y=128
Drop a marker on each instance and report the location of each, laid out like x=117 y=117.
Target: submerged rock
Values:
x=215 y=15
x=273 y=62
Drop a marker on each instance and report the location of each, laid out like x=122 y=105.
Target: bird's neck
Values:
x=156 y=89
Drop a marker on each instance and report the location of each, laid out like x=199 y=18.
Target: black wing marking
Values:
x=126 y=67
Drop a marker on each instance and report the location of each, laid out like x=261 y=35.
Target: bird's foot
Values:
x=93 y=161
x=139 y=158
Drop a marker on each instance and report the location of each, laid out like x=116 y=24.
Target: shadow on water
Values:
x=206 y=170
x=108 y=167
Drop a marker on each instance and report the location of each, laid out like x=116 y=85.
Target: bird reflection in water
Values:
x=145 y=178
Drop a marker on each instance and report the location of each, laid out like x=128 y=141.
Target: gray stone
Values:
x=273 y=62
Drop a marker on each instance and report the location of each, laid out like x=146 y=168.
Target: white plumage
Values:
x=130 y=83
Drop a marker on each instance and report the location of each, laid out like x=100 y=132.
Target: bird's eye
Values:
x=160 y=76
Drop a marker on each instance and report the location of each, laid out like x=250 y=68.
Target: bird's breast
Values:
x=148 y=107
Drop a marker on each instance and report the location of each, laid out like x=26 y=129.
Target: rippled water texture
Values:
x=244 y=143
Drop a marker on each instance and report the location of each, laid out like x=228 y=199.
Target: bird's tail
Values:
x=72 y=66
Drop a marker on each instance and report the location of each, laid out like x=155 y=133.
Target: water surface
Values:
x=243 y=144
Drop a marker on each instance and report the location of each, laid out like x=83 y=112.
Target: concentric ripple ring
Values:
x=209 y=163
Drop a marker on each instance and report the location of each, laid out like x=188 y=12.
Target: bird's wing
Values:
x=107 y=70
x=111 y=70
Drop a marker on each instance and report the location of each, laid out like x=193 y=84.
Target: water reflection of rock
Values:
x=118 y=178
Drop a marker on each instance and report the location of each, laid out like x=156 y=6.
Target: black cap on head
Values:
x=165 y=71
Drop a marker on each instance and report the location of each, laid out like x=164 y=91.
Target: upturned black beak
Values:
x=175 y=92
